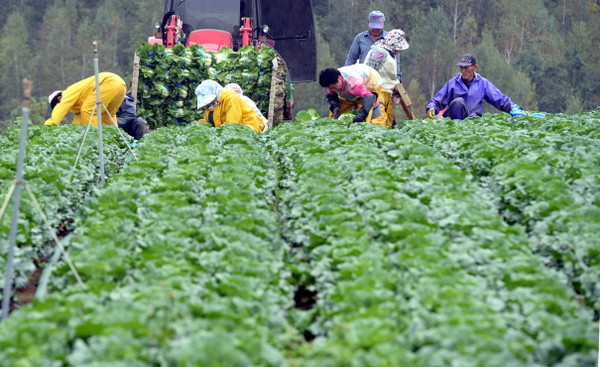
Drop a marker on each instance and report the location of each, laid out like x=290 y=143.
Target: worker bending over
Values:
x=382 y=57
x=223 y=106
x=129 y=121
x=354 y=87
x=240 y=92
x=80 y=99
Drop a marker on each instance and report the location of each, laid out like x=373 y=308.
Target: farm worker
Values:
x=240 y=92
x=80 y=98
x=354 y=87
x=223 y=106
x=381 y=57
x=462 y=96
x=364 y=40
x=129 y=121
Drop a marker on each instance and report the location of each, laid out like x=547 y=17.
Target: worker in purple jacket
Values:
x=463 y=95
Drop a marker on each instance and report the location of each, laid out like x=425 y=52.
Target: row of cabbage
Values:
x=182 y=261
x=59 y=187
x=411 y=263
x=168 y=78
x=192 y=256
x=544 y=174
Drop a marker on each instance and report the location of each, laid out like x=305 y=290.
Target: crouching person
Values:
x=222 y=106
x=240 y=92
x=354 y=87
x=80 y=99
x=129 y=121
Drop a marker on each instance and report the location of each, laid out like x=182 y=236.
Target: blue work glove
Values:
x=134 y=143
x=264 y=137
x=516 y=110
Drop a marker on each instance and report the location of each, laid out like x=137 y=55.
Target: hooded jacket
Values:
x=360 y=47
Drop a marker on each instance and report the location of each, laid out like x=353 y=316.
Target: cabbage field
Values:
x=434 y=243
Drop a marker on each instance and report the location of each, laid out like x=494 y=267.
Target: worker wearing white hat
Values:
x=223 y=106
x=80 y=99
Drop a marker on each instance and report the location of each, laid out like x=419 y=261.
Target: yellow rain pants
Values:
x=382 y=120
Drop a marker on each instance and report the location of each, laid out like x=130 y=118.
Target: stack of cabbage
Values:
x=168 y=78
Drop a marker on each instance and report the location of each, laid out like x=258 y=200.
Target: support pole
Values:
x=99 y=114
x=405 y=102
x=135 y=78
x=12 y=237
x=87 y=129
x=272 y=94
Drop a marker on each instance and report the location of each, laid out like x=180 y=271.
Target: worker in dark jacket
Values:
x=364 y=40
x=463 y=95
x=129 y=121
x=80 y=99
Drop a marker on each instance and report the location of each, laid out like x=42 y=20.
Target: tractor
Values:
x=286 y=26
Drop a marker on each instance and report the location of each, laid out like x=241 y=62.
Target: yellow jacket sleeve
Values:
x=235 y=110
x=72 y=99
x=231 y=107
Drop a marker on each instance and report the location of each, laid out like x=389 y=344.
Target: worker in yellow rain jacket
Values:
x=223 y=106
x=354 y=87
x=240 y=92
x=80 y=99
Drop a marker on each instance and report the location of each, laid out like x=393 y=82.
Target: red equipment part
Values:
x=246 y=31
x=171 y=32
x=210 y=39
x=154 y=40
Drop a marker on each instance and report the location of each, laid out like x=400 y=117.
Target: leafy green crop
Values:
x=59 y=188
x=543 y=174
x=332 y=244
x=169 y=77
x=410 y=262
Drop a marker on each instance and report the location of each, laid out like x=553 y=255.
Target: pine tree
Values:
x=15 y=61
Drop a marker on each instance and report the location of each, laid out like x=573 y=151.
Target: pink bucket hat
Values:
x=235 y=87
x=394 y=41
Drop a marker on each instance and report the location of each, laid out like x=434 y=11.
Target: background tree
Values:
x=57 y=48
x=582 y=60
x=432 y=54
x=539 y=52
x=15 y=60
x=507 y=78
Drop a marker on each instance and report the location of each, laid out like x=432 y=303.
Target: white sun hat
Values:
x=206 y=92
